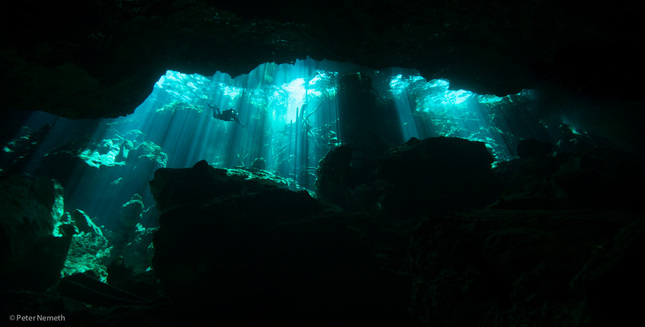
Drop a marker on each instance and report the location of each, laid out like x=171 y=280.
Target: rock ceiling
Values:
x=98 y=58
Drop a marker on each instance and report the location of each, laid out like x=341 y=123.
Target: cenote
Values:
x=320 y=164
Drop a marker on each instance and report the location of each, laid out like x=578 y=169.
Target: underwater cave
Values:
x=372 y=163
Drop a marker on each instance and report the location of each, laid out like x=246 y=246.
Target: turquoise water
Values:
x=290 y=116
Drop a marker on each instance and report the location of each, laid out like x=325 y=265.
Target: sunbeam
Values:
x=280 y=119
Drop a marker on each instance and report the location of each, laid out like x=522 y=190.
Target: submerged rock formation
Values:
x=20 y=149
x=89 y=250
x=507 y=267
x=560 y=246
x=111 y=155
x=534 y=256
x=84 y=223
x=33 y=249
x=251 y=245
x=105 y=160
x=419 y=178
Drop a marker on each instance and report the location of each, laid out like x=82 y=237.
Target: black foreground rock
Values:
x=559 y=243
x=32 y=256
x=252 y=251
x=233 y=244
x=417 y=179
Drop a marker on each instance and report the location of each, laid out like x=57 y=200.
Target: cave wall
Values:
x=92 y=59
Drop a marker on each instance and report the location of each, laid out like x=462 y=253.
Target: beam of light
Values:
x=289 y=119
x=430 y=108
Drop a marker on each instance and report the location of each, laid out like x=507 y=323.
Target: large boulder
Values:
x=334 y=176
x=436 y=175
x=261 y=253
x=421 y=177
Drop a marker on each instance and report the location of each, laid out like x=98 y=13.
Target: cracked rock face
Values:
x=105 y=62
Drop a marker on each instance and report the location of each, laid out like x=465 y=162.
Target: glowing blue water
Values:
x=290 y=114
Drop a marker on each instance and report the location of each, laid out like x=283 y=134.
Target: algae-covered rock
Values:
x=87 y=252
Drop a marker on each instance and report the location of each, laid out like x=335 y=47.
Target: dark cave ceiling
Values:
x=98 y=58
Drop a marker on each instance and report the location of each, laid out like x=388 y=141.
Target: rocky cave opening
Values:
x=254 y=166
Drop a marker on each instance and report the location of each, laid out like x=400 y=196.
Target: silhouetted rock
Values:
x=601 y=177
x=437 y=175
x=32 y=253
x=334 y=177
x=171 y=187
x=495 y=267
x=138 y=251
x=250 y=244
x=142 y=283
x=85 y=65
x=585 y=179
x=420 y=177
x=126 y=227
x=611 y=279
x=84 y=223
x=87 y=288
x=532 y=148
x=131 y=212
